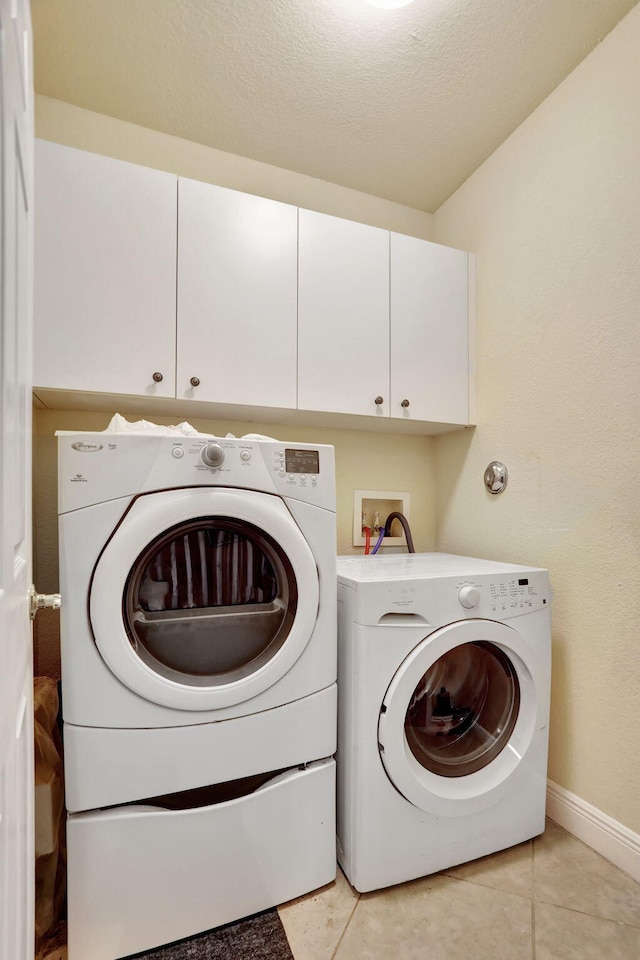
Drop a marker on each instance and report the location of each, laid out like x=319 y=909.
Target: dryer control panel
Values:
x=97 y=467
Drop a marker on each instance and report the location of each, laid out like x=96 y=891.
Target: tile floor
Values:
x=552 y=898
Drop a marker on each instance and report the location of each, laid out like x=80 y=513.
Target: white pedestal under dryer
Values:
x=444 y=670
x=198 y=681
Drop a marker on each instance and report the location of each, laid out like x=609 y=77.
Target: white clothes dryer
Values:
x=198 y=639
x=444 y=674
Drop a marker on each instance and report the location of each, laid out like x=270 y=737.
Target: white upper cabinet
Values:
x=343 y=316
x=150 y=285
x=383 y=323
x=429 y=331
x=237 y=297
x=105 y=274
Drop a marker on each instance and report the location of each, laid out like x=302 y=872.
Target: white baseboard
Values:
x=602 y=833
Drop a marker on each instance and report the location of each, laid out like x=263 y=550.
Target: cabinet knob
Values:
x=195 y=382
x=405 y=403
x=379 y=400
x=158 y=377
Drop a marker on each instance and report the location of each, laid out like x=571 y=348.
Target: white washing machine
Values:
x=198 y=681
x=444 y=670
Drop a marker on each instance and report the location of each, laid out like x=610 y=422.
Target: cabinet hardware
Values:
x=405 y=403
x=158 y=377
x=379 y=400
x=195 y=382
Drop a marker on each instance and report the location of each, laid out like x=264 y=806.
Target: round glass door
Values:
x=463 y=710
x=209 y=601
x=204 y=598
x=457 y=721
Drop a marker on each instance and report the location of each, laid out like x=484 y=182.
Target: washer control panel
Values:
x=469 y=597
x=498 y=599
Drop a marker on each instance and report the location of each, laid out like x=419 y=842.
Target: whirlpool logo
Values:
x=86 y=446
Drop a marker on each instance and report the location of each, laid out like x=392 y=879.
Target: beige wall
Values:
x=406 y=463
x=554 y=216
x=65 y=123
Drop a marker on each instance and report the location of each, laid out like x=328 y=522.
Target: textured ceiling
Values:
x=403 y=104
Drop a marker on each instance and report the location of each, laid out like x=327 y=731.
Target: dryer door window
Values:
x=210 y=601
x=463 y=710
x=204 y=598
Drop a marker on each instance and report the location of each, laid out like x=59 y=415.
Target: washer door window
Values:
x=463 y=710
x=459 y=716
x=210 y=601
x=205 y=597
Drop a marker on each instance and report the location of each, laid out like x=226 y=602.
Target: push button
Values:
x=177 y=452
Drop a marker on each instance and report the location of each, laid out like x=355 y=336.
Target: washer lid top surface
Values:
x=415 y=566
x=204 y=597
x=459 y=716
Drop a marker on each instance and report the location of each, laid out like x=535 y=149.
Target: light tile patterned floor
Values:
x=552 y=898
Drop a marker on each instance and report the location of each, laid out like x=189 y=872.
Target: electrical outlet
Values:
x=384 y=502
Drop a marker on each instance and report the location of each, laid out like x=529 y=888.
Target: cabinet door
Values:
x=429 y=331
x=105 y=268
x=343 y=316
x=237 y=263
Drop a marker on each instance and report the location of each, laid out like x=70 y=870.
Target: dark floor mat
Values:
x=260 y=937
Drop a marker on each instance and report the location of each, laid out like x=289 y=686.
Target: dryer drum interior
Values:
x=463 y=710
x=209 y=601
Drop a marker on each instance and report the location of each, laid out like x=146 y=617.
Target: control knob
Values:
x=469 y=597
x=212 y=455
